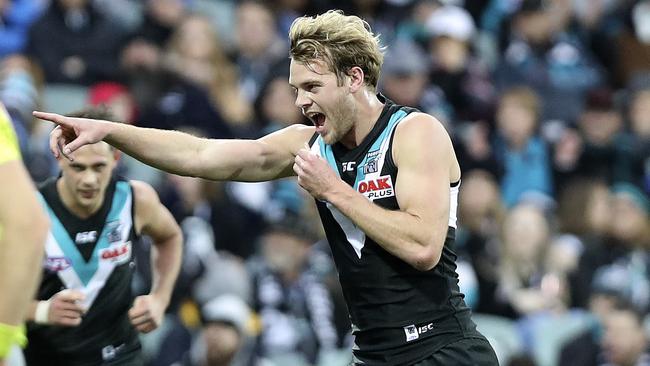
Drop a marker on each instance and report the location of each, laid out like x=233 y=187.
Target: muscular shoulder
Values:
x=421 y=131
x=421 y=142
x=292 y=137
x=145 y=199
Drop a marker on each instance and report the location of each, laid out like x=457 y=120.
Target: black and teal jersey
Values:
x=399 y=315
x=92 y=255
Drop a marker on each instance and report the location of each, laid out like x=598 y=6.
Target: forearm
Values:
x=171 y=151
x=400 y=233
x=166 y=262
x=180 y=153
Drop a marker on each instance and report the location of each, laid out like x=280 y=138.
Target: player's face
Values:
x=85 y=179
x=328 y=106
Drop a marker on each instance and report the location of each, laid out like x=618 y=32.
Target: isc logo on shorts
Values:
x=376 y=188
x=412 y=332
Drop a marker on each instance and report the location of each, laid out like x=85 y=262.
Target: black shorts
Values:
x=475 y=351
x=133 y=358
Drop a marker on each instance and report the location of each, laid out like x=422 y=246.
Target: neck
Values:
x=367 y=112
x=72 y=206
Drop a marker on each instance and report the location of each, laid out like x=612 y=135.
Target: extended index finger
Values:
x=52 y=117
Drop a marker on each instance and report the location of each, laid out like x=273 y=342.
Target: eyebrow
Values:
x=307 y=82
x=77 y=165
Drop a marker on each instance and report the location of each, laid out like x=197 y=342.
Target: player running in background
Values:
x=85 y=313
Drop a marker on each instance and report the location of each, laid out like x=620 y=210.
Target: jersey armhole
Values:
x=389 y=155
x=134 y=230
x=312 y=139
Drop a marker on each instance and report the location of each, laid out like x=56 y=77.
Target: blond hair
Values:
x=341 y=41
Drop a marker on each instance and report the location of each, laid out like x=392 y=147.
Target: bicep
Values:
x=422 y=154
x=269 y=157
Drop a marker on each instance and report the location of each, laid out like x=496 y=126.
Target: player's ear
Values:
x=117 y=154
x=356 y=78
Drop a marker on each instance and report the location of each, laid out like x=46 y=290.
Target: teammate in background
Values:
x=85 y=313
x=385 y=179
x=23 y=228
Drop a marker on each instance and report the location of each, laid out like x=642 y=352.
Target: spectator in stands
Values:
x=168 y=101
x=610 y=291
x=19 y=92
x=235 y=228
x=293 y=303
x=480 y=216
x=205 y=274
x=274 y=107
x=639 y=118
x=542 y=55
x=606 y=150
x=625 y=341
x=632 y=47
x=196 y=53
x=519 y=148
x=583 y=216
x=258 y=45
x=526 y=284
x=405 y=81
x=464 y=79
x=627 y=242
x=74 y=43
x=16 y=16
x=222 y=337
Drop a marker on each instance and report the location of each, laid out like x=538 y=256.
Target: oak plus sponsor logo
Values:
x=56 y=264
x=119 y=253
x=376 y=188
x=414 y=332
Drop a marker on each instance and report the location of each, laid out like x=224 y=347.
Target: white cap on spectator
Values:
x=229 y=309
x=451 y=21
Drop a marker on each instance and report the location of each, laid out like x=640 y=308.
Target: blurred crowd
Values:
x=547 y=103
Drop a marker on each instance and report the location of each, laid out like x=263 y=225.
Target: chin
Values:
x=330 y=138
x=87 y=202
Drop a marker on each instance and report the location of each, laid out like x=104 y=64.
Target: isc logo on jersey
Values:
x=117 y=254
x=85 y=237
x=377 y=187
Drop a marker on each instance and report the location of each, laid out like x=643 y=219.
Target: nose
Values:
x=301 y=100
x=89 y=178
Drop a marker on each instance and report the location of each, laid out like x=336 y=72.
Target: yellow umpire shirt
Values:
x=9 y=149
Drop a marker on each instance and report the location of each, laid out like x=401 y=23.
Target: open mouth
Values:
x=87 y=193
x=317 y=118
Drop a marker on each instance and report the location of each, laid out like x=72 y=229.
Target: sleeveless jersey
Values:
x=399 y=315
x=93 y=255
